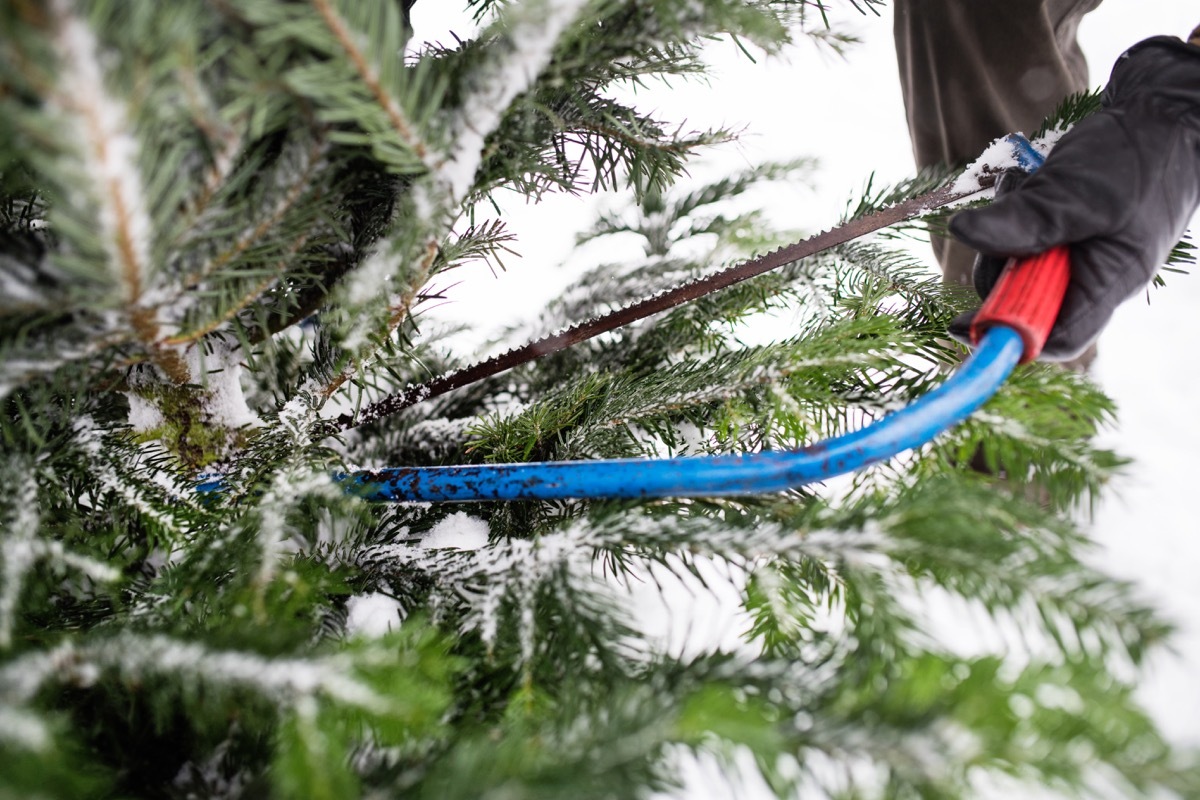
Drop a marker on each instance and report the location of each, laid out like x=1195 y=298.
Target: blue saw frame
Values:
x=710 y=476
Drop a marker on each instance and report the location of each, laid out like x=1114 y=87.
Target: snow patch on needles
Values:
x=299 y=413
x=284 y=679
x=90 y=440
x=533 y=31
x=997 y=157
x=480 y=583
x=457 y=531
x=438 y=437
x=23 y=729
x=17 y=552
x=218 y=367
x=372 y=277
x=275 y=534
x=372 y=615
x=363 y=289
x=143 y=415
x=108 y=147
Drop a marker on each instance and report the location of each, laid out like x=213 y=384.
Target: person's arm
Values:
x=1119 y=188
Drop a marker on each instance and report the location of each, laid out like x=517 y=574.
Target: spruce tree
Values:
x=218 y=226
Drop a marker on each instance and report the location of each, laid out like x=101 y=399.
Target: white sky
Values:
x=849 y=115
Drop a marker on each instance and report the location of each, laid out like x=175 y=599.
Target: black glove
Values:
x=1119 y=188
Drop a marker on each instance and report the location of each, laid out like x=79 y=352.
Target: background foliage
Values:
x=218 y=224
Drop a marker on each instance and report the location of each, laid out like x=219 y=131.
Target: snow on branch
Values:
x=108 y=148
x=219 y=366
x=517 y=58
x=104 y=461
x=273 y=532
x=370 y=281
x=286 y=680
x=16 y=554
x=22 y=678
x=480 y=579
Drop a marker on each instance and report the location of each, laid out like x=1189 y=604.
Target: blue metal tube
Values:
x=708 y=476
x=1027 y=156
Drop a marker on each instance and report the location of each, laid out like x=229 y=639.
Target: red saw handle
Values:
x=1027 y=298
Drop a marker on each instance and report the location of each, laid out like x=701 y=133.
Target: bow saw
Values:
x=1011 y=328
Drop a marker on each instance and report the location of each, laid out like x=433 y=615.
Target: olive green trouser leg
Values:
x=974 y=70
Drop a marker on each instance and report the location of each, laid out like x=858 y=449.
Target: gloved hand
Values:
x=1119 y=188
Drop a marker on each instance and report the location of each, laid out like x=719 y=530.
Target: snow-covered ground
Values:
x=848 y=113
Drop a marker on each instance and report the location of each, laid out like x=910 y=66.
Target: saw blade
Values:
x=789 y=254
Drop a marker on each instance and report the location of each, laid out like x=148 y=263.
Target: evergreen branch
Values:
x=529 y=36
x=113 y=472
x=961 y=536
x=484 y=589
x=348 y=68
x=567 y=110
x=364 y=286
x=484 y=241
x=225 y=140
x=305 y=302
x=878 y=276
x=399 y=311
x=660 y=214
x=300 y=186
x=109 y=149
x=135 y=657
x=620 y=143
x=735 y=394
x=218 y=174
x=245 y=301
x=18 y=368
x=480 y=113
x=529 y=40
x=292 y=481
x=369 y=76
x=239 y=654
x=16 y=553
